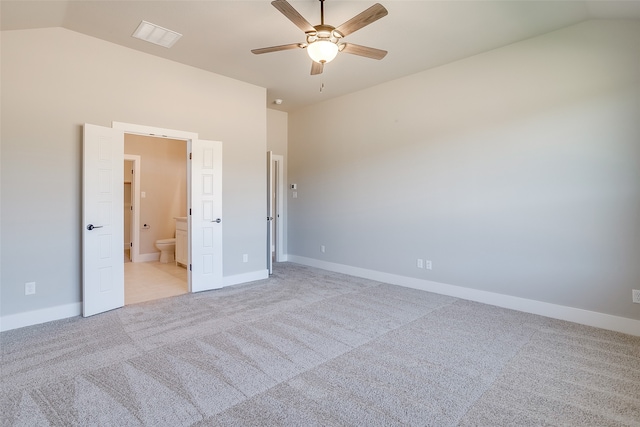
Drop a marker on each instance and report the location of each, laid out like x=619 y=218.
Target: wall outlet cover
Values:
x=635 y=295
x=30 y=288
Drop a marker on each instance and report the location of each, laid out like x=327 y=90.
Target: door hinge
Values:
x=190 y=269
x=130 y=244
x=189 y=211
x=190 y=156
x=131 y=207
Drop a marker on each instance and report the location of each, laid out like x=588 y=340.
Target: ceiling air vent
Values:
x=155 y=34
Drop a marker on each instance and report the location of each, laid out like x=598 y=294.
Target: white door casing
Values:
x=205 y=217
x=135 y=203
x=102 y=220
x=278 y=184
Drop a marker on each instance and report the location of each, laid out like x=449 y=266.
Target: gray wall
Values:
x=516 y=172
x=53 y=81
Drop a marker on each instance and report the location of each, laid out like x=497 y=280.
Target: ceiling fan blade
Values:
x=363 y=19
x=287 y=10
x=275 y=48
x=368 y=52
x=316 y=68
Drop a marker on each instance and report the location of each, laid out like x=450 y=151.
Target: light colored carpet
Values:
x=309 y=347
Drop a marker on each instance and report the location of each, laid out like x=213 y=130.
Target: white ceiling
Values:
x=218 y=35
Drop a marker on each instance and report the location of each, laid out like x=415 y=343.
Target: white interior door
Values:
x=205 y=256
x=102 y=220
x=270 y=211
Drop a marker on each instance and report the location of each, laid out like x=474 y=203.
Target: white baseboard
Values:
x=555 y=311
x=155 y=256
x=245 y=278
x=44 y=315
x=571 y=314
x=35 y=317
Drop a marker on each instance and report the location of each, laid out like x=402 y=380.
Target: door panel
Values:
x=206 y=215
x=102 y=220
x=270 y=211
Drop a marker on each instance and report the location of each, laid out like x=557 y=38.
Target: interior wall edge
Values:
x=554 y=311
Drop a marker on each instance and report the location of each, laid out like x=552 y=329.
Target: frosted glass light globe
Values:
x=322 y=51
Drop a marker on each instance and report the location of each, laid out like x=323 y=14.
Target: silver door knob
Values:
x=218 y=220
x=91 y=226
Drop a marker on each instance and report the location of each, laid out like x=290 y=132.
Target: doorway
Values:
x=155 y=189
x=275 y=209
x=102 y=213
x=132 y=175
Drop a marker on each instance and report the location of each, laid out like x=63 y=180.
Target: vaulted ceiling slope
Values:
x=218 y=35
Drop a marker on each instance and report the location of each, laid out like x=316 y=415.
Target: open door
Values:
x=270 y=211
x=102 y=220
x=206 y=215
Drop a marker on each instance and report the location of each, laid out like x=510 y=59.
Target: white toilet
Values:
x=167 y=248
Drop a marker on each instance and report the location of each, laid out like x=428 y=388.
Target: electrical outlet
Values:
x=428 y=265
x=30 y=288
x=635 y=295
x=245 y=258
x=322 y=248
x=420 y=263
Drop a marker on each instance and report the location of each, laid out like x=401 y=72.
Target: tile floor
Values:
x=146 y=281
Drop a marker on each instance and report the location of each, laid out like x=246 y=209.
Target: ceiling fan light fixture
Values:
x=322 y=51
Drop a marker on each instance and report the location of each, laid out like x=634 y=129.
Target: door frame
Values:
x=157 y=132
x=135 y=193
x=279 y=205
x=275 y=209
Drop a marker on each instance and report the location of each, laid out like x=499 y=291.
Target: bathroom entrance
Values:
x=103 y=207
x=155 y=211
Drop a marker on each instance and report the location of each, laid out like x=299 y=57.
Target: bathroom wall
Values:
x=163 y=180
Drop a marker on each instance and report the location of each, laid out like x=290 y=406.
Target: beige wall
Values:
x=163 y=179
x=53 y=80
x=516 y=172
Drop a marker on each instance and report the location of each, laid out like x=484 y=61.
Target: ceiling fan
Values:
x=323 y=42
